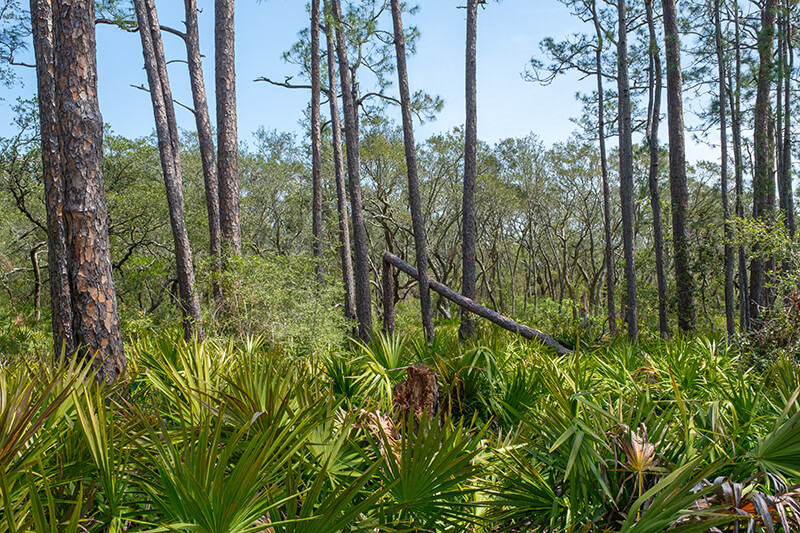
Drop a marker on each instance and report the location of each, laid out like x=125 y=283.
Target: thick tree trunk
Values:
x=764 y=145
x=411 y=167
x=679 y=190
x=787 y=121
x=341 y=191
x=601 y=132
x=653 y=121
x=60 y=302
x=95 y=320
x=730 y=322
x=478 y=309
x=468 y=229
x=316 y=142
x=362 y=288
x=626 y=173
x=205 y=137
x=169 y=150
x=227 y=136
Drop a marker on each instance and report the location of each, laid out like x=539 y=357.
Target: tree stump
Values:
x=417 y=395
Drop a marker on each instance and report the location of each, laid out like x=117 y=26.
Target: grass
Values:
x=225 y=437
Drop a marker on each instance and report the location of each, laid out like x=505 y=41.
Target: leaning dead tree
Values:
x=390 y=260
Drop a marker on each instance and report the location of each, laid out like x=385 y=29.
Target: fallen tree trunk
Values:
x=478 y=309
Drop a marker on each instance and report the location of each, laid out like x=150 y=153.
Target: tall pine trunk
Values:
x=60 y=303
x=205 y=138
x=601 y=132
x=468 y=229
x=338 y=166
x=655 y=84
x=362 y=288
x=730 y=322
x=169 y=150
x=764 y=147
x=679 y=190
x=626 y=173
x=411 y=167
x=316 y=143
x=95 y=320
x=227 y=136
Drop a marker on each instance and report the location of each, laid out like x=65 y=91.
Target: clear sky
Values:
x=508 y=34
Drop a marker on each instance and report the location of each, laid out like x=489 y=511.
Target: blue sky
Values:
x=508 y=34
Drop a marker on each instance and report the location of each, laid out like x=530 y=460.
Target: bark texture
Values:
x=169 y=151
x=341 y=190
x=655 y=84
x=468 y=229
x=411 y=168
x=205 y=137
x=316 y=141
x=227 y=136
x=60 y=302
x=764 y=146
x=679 y=190
x=626 y=173
x=362 y=288
x=95 y=320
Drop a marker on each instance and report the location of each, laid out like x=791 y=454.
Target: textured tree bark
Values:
x=730 y=322
x=411 y=167
x=205 y=137
x=654 y=118
x=341 y=191
x=601 y=131
x=478 y=309
x=787 y=120
x=626 y=173
x=316 y=142
x=387 y=284
x=764 y=145
x=362 y=288
x=679 y=190
x=169 y=150
x=467 y=328
x=227 y=136
x=95 y=320
x=44 y=47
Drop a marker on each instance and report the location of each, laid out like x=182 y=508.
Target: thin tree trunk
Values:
x=679 y=190
x=730 y=322
x=411 y=167
x=787 y=118
x=341 y=192
x=362 y=288
x=205 y=137
x=95 y=320
x=626 y=173
x=467 y=328
x=764 y=144
x=654 y=119
x=601 y=131
x=227 y=137
x=169 y=150
x=60 y=302
x=734 y=97
x=316 y=143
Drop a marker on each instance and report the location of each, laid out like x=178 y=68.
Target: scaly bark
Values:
x=95 y=320
x=60 y=302
x=227 y=136
x=626 y=172
x=316 y=142
x=411 y=167
x=679 y=190
x=468 y=229
x=362 y=288
x=341 y=191
x=655 y=84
